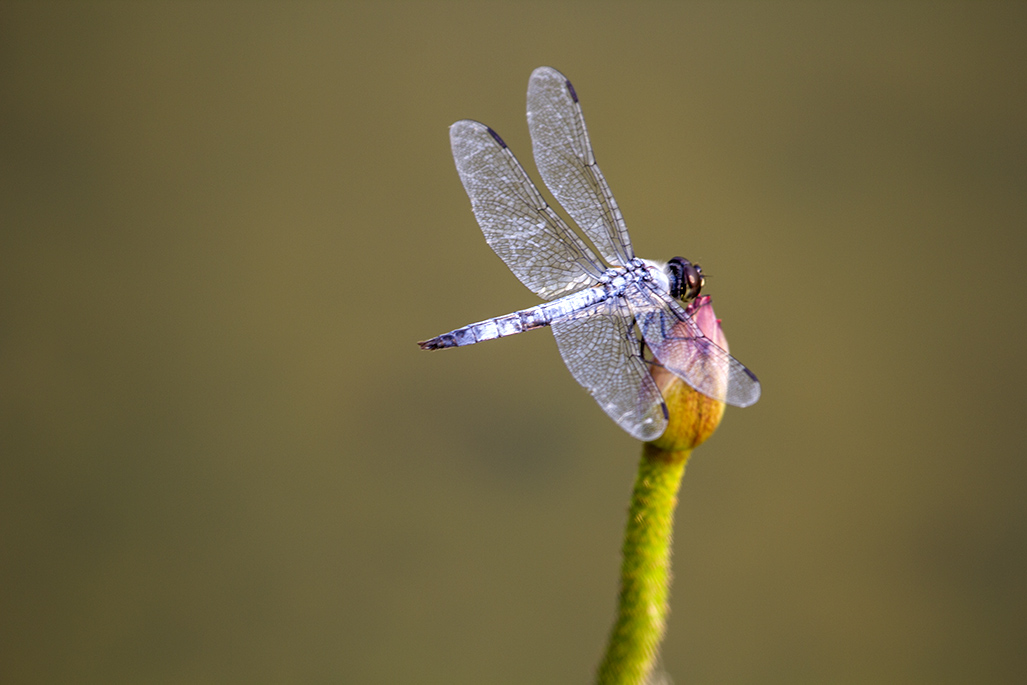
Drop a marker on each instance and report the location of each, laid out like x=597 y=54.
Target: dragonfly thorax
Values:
x=686 y=279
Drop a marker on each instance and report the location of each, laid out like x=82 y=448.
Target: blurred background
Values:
x=223 y=458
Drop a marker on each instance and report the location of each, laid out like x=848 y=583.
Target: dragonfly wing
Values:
x=537 y=245
x=604 y=356
x=679 y=344
x=564 y=158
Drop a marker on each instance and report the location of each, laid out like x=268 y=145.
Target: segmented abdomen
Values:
x=518 y=322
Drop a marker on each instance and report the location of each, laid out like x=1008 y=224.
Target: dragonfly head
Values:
x=686 y=279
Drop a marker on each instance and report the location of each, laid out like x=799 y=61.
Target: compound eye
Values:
x=686 y=279
x=696 y=280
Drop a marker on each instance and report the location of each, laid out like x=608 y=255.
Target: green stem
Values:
x=645 y=573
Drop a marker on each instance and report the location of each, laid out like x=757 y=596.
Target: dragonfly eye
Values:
x=686 y=279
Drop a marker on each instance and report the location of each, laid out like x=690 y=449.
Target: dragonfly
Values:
x=605 y=310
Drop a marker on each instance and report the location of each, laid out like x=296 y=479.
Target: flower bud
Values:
x=692 y=416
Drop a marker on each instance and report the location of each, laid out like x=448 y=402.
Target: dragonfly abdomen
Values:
x=490 y=329
x=518 y=322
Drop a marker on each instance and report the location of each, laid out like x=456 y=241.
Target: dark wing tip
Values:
x=428 y=344
x=570 y=89
x=495 y=136
x=744 y=390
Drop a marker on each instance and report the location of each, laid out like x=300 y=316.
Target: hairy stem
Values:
x=645 y=573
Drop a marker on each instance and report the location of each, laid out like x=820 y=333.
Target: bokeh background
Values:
x=223 y=458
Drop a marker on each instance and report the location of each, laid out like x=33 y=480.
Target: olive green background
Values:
x=224 y=460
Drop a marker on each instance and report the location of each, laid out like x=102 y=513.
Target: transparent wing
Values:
x=564 y=158
x=523 y=230
x=678 y=343
x=602 y=353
